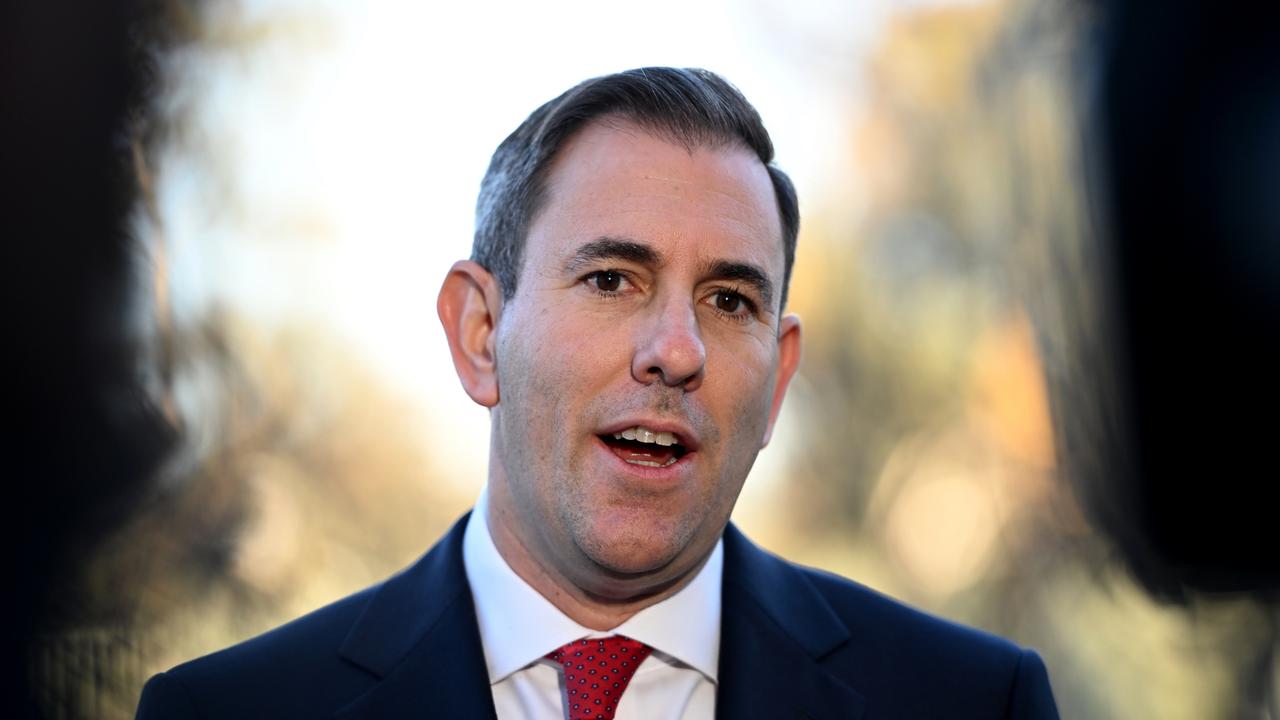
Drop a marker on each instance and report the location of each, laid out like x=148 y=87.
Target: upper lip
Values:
x=685 y=435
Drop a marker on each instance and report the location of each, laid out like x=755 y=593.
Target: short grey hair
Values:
x=692 y=107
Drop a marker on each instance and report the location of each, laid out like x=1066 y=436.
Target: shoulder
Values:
x=905 y=662
x=322 y=661
x=897 y=629
x=921 y=665
x=296 y=662
x=816 y=604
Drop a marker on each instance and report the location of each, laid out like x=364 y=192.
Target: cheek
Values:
x=551 y=364
x=590 y=351
x=744 y=379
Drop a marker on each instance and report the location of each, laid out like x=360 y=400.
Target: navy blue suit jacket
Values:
x=795 y=643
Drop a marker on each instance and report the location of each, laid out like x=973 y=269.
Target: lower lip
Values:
x=674 y=472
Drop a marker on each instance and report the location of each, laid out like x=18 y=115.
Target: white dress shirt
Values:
x=518 y=627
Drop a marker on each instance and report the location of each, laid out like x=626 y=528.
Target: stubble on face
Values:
x=611 y=540
x=564 y=372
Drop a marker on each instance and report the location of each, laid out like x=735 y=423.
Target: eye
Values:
x=727 y=301
x=731 y=304
x=605 y=282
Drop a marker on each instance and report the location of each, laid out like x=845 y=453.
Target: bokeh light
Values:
x=315 y=176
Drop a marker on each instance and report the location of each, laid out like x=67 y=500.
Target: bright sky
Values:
x=347 y=143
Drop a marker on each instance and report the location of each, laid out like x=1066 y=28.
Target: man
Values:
x=623 y=320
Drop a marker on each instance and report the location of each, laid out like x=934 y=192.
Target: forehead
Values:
x=614 y=178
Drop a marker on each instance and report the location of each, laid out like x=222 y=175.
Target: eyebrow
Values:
x=745 y=273
x=612 y=248
x=615 y=248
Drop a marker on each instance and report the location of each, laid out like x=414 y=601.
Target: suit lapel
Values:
x=775 y=631
x=419 y=636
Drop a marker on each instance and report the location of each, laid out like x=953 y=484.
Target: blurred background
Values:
x=1033 y=371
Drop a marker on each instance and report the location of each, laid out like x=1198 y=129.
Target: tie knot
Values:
x=596 y=671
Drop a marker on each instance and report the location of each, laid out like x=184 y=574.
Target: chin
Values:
x=636 y=549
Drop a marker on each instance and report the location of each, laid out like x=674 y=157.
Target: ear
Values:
x=788 y=362
x=469 y=303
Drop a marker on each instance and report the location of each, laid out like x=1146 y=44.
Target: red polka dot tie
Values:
x=596 y=672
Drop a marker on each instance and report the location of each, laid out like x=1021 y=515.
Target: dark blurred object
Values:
x=1184 y=133
x=82 y=441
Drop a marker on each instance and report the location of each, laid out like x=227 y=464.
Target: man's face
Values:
x=648 y=298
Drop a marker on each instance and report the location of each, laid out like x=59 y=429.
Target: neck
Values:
x=601 y=611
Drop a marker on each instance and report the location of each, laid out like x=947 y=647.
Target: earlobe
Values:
x=788 y=363
x=468 y=305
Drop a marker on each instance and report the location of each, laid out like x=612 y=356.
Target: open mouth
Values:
x=641 y=446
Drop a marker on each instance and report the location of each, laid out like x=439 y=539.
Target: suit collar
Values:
x=518 y=625
x=419 y=636
x=776 y=630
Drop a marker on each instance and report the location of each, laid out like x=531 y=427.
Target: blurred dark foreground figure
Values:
x=81 y=441
x=1165 y=395
x=1166 y=411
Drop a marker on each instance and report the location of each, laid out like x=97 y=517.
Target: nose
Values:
x=669 y=348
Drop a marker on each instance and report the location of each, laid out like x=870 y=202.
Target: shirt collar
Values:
x=518 y=626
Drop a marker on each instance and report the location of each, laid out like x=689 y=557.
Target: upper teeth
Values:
x=643 y=434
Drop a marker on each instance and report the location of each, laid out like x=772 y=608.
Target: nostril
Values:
x=670 y=356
